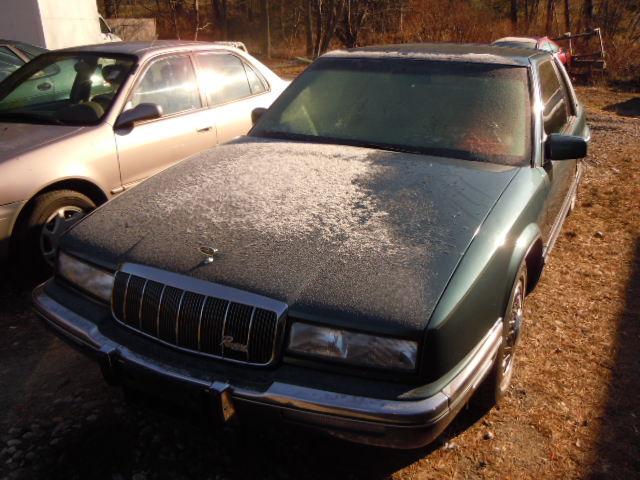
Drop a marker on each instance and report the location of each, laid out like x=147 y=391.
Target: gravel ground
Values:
x=572 y=411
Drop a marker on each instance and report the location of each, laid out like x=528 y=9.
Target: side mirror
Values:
x=143 y=111
x=256 y=114
x=565 y=147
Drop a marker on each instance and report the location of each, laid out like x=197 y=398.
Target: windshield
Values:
x=66 y=89
x=461 y=110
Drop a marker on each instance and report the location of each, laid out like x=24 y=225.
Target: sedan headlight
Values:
x=352 y=347
x=86 y=277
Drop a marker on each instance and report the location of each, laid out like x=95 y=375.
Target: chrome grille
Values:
x=194 y=321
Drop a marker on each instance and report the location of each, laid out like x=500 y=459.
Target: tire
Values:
x=497 y=383
x=49 y=216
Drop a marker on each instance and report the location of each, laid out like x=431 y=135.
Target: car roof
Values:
x=519 y=39
x=475 y=53
x=146 y=49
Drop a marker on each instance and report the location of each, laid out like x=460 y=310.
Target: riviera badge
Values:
x=209 y=252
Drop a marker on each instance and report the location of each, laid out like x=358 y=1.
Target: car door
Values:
x=232 y=88
x=184 y=128
x=559 y=116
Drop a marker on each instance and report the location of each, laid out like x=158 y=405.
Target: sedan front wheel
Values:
x=51 y=214
x=497 y=383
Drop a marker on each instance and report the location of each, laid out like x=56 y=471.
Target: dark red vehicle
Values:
x=536 y=43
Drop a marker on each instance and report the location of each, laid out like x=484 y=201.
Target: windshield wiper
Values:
x=29 y=117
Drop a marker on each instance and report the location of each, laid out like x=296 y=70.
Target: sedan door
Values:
x=184 y=128
x=232 y=88
x=559 y=117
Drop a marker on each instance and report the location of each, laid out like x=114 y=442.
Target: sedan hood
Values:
x=19 y=138
x=350 y=236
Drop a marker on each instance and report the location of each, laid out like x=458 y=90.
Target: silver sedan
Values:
x=81 y=125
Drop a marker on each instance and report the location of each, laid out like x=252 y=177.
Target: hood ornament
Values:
x=209 y=252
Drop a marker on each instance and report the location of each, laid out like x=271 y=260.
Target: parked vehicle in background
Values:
x=537 y=43
x=81 y=125
x=54 y=24
x=357 y=264
x=15 y=54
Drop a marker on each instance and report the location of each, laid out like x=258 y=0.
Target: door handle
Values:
x=44 y=86
x=204 y=129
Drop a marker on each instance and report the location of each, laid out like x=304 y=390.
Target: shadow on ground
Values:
x=628 y=108
x=618 y=443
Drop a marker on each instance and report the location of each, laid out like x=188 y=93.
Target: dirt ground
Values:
x=573 y=410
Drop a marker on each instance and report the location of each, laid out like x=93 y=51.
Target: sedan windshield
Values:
x=470 y=111
x=65 y=89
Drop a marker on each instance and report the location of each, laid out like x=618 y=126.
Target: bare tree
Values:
x=514 y=13
x=266 y=29
x=551 y=8
x=567 y=15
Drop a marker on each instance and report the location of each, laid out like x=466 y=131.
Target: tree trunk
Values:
x=588 y=13
x=551 y=6
x=266 y=31
x=308 y=23
x=111 y=8
x=514 y=12
x=196 y=11
x=567 y=15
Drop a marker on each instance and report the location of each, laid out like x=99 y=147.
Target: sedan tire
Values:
x=497 y=383
x=51 y=214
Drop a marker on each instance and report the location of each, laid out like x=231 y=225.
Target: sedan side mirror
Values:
x=256 y=114
x=143 y=111
x=565 y=147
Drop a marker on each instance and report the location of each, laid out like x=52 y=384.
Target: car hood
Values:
x=350 y=236
x=19 y=138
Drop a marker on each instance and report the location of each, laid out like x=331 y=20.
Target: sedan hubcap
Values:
x=55 y=225
x=513 y=326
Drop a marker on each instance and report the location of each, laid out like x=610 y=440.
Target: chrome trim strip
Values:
x=253 y=312
x=124 y=301
x=200 y=323
x=224 y=326
x=203 y=287
x=178 y=313
x=164 y=287
x=144 y=288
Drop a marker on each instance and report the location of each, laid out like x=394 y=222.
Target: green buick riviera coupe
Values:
x=357 y=264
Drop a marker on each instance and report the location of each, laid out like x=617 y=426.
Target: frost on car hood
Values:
x=356 y=236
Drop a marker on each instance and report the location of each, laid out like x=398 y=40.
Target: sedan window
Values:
x=454 y=109
x=66 y=88
x=224 y=78
x=556 y=103
x=9 y=62
x=170 y=83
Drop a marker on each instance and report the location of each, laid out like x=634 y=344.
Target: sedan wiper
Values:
x=29 y=117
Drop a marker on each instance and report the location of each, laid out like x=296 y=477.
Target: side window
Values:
x=9 y=62
x=554 y=99
x=223 y=78
x=170 y=83
x=256 y=83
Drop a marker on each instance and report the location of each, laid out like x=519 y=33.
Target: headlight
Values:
x=85 y=276
x=356 y=348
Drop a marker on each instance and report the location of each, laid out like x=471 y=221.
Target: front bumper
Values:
x=376 y=421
